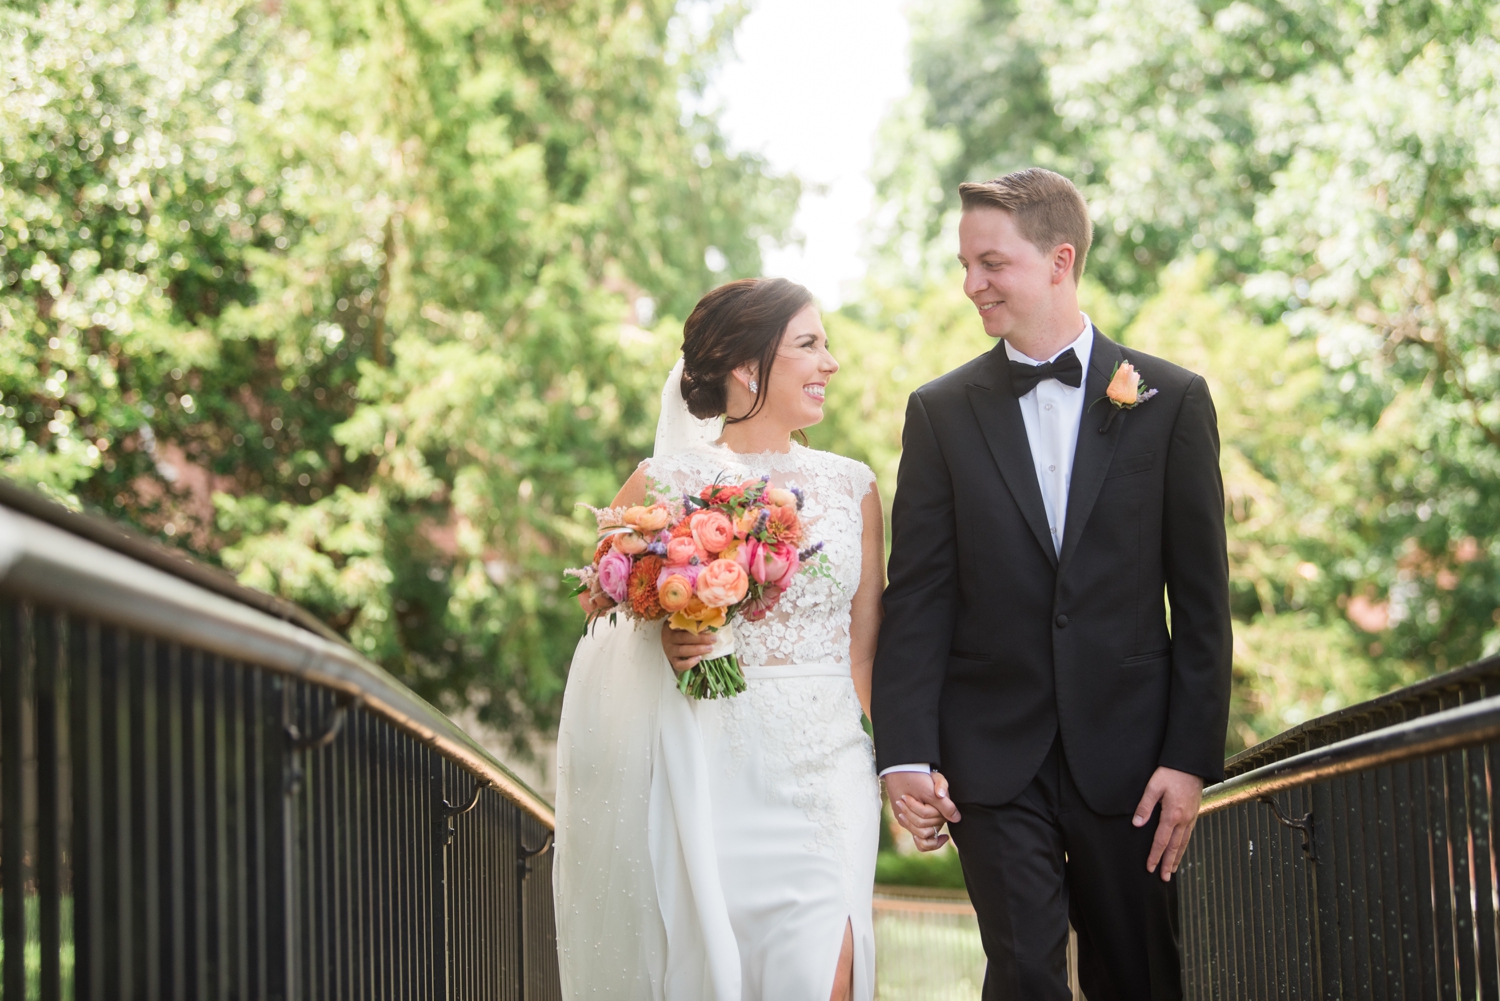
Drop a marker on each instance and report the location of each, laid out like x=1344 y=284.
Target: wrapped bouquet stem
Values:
x=718 y=674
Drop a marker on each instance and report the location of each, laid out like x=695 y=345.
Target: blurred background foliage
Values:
x=358 y=300
x=350 y=298
x=1298 y=199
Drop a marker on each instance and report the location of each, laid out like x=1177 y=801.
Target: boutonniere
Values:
x=1126 y=391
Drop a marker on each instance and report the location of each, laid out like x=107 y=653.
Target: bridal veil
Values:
x=640 y=911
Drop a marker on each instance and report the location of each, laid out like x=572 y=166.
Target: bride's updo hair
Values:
x=736 y=323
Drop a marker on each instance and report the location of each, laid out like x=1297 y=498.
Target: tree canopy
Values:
x=1301 y=200
x=354 y=299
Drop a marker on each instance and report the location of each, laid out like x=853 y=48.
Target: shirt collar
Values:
x=1083 y=347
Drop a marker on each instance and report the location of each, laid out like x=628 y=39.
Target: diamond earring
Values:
x=754 y=386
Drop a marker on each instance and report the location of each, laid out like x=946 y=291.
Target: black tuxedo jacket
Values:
x=992 y=641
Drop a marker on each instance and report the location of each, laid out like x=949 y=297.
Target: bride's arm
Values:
x=865 y=614
x=632 y=493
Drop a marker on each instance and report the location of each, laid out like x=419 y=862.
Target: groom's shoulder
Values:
x=950 y=385
x=1165 y=376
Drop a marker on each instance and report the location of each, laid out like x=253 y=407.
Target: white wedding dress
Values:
x=717 y=849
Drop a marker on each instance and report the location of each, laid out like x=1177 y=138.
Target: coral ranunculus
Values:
x=722 y=494
x=681 y=551
x=674 y=589
x=722 y=583
x=712 y=530
x=644 y=600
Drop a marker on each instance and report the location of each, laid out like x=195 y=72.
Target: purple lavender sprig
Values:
x=797 y=493
x=810 y=552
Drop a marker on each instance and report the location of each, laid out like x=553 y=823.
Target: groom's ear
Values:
x=1063 y=256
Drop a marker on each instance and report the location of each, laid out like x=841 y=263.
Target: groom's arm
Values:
x=1196 y=561
x=912 y=656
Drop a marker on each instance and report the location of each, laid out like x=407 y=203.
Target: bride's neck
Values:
x=756 y=435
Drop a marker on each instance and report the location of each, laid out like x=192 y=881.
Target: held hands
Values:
x=921 y=805
x=1179 y=795
x=684 y=649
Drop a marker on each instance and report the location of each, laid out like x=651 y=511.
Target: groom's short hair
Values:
x=1047 y=208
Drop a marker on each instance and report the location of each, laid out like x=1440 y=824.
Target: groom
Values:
x=1045 y=516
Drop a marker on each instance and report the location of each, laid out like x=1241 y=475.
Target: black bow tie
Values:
x=1066 y=369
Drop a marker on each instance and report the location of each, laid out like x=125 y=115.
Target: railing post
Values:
x=280 y=841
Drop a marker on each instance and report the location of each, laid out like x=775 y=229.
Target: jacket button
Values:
x=1062 y=622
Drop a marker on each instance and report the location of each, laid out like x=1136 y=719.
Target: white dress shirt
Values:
x=1051 y=413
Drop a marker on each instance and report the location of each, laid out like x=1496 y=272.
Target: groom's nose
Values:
x=974 y=282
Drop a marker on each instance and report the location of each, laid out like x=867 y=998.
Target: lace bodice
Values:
x=811 y=623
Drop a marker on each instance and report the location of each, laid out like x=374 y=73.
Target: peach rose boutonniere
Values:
x=1126 y=391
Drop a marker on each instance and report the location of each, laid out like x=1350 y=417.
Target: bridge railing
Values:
x=1354 y=855
x=204 y=795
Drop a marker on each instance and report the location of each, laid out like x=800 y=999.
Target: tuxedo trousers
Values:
x=1045 y=859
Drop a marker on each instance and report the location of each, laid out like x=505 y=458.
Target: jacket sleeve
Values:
x=919 y=601
x=1196 y=560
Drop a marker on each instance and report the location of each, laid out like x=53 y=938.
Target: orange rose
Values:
x=697 y=617
x=1125 y=387
x=781 y=498
x=712 y=530
x=630 y=543
x=674 y=591
x=647 y=520
x=722 y=583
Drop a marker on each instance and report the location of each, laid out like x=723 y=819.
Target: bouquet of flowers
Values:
x=699 y=561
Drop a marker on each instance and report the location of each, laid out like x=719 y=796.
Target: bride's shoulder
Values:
x=856 y=474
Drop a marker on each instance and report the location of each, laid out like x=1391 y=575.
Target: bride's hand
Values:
x=684 y=649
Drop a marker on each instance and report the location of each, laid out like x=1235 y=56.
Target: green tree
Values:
x=356 y=299
x=1286 y=194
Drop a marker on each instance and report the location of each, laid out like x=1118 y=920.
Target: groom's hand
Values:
x=1180 y=795
x=921 y=805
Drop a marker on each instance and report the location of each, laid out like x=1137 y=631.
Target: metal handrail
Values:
x=42 y=562
x=1452 y=729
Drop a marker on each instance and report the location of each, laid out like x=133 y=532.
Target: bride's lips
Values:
x=985 y=307
x=815 y=390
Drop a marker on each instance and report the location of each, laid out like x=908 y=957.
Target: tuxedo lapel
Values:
x=999 y=415
x=1095 y=449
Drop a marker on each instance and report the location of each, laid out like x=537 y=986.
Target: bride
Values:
x=725 y=849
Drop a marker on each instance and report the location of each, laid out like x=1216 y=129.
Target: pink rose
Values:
x=751 y=557
x=712 y=530
x=782 y=564
x=674 y=588
x=614 y=575
x=681 y=551
x=722 y=583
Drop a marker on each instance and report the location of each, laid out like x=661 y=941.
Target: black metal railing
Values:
x=1354 y=855
x=207 y=797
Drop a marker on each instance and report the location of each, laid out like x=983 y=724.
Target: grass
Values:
x=32 y=948
x=940 y=868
